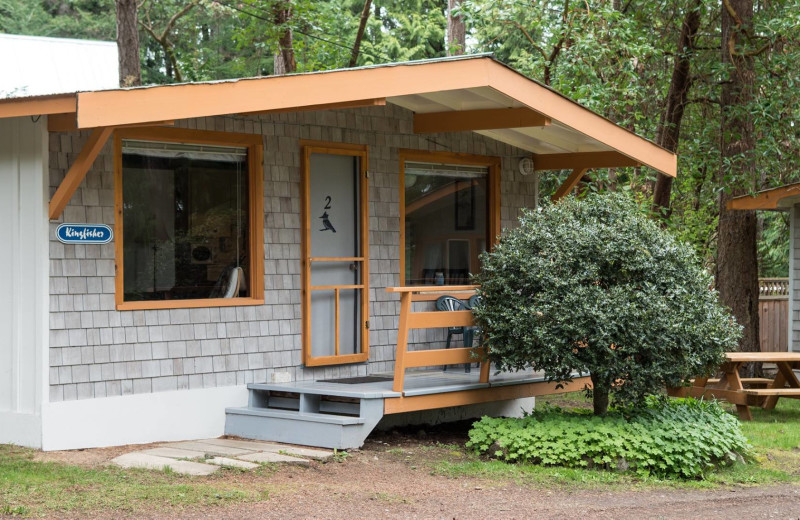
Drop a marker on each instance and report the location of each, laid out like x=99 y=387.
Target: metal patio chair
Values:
x=451 y=303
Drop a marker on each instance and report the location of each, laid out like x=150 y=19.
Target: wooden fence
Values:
x=773 y=314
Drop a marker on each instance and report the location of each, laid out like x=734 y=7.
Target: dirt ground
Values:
x=391 y=477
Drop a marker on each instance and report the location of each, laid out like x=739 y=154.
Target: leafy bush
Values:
x=594 y=286
x=679 y=438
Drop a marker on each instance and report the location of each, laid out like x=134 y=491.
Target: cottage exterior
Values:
x=257 y=225
x=783 y=198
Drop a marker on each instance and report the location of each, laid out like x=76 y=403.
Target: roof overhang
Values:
x=781 y=198
x=475 y=93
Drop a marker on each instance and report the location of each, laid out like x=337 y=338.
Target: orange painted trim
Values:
x=188 y=304
x=257 y=252
x=35 y=107
x=582 y=120
x=359 y=103
x=77 y=172
x=571 y=161
x=309 y=147
x=765 y=200
x=444 y=289
x=436 y=319
x=323 y=361
x=294 y=92
x=120 y=107
x=493 y=195
x=569 y=184
x=430 y=358
x=392 y=405
x=467 y=120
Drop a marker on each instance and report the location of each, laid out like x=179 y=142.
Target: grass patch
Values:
x=29 y=487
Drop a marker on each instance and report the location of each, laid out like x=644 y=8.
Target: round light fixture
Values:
x=526 y=166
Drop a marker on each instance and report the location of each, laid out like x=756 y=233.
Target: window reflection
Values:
x=446 y=222
x=185 y=221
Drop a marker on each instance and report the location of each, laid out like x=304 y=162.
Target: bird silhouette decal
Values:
x=326 y=223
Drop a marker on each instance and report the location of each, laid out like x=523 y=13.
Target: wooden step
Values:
x=781 y=392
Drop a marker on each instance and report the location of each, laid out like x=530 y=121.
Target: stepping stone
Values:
x=301 y=452
x=174 y=453
x=223 y=461
x=143 y=460
x=266 y=457
x=271 y=447
x=210 y=449
x=241 y=444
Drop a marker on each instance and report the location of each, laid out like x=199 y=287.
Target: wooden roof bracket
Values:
x=78 y=170
x=571 y=161
x=569 y=184
x=470 y=120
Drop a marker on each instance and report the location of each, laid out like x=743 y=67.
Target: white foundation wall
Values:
x=24 y=292
x=138 y=419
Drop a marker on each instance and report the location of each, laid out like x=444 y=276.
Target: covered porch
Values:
x=341 y=413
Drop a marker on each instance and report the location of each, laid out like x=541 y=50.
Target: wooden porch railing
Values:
x=431 y=320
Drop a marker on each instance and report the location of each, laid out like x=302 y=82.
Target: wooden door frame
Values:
x=320 y=147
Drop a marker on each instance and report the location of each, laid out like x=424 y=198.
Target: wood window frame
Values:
x=493 y=188
x=307 y=148
x=255 y=160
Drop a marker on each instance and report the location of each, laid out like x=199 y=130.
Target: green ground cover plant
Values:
x=679 y=438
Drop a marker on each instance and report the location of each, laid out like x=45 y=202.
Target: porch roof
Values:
x=469 y=93
x=775 y=199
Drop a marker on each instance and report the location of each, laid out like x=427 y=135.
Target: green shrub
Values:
x=679 y=438
x=595 y=286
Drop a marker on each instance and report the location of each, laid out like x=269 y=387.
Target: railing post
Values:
x=402 y=342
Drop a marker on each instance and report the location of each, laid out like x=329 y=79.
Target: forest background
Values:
x=713 y=80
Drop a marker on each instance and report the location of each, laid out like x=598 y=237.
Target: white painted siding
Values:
x=23 y=278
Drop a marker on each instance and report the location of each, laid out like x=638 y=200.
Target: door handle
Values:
x=354 y=266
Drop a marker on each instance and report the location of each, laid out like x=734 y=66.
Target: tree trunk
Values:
x=669 y=130
x=737 y=260
x=600 y=391
x=130 y=72
x=456 y=31
x=362 y=25
x=284 y=58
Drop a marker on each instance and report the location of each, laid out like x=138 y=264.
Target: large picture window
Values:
x=188 y=227
x=449 y=216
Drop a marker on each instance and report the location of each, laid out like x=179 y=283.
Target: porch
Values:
x=341 y=413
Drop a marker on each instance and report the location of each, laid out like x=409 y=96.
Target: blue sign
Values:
x=84 y=234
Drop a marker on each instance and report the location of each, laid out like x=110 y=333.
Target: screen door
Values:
x=335 y=278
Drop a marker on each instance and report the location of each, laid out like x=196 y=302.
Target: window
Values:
x=189 y=227
x=449 y=215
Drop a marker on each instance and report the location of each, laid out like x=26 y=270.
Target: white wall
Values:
x=139 y=419
x=24 y=291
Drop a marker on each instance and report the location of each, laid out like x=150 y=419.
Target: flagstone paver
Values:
x=234 y=463
x=174 y=453
x=210 y=449
x=237 y=453
x=143 y=460
x=265 y=457
x=300 y=452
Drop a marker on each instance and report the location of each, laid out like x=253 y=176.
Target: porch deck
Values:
x=340 y=414
x=429 y=383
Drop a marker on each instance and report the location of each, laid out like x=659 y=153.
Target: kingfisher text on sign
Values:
x=84 y=233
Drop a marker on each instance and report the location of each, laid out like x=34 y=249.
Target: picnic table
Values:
x=761 y=392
